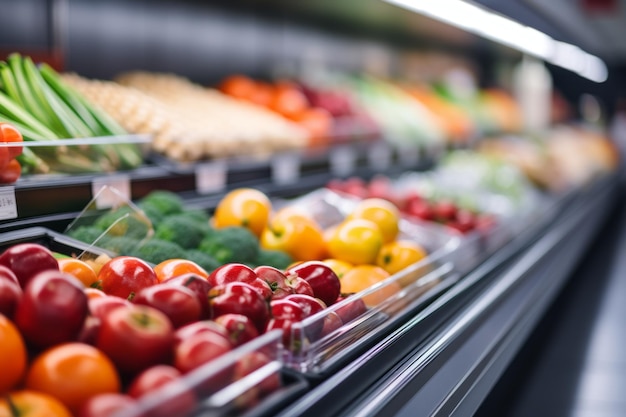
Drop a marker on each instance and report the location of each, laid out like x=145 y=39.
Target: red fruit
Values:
x=200 y=286
x=152 y=379
x=178 y=303
x=52 y=310
x=239 y=327
x=125 y=276
x=209 y=326
x=350 y=310
x=199 y=349
x=108 y=405
x=28 y=259
x=263 y=288
x=332 y=322
x=444 y=210
x=6 y=273
x=284 y=309
x=231 y=272
x=420 y=209
x=136 y=338
x=282 y=284
x=310 y=305
x=251 y=362
x=321 y=277
x=239 y=298
x=101 y=306
x=10 y=294
x=466 y=219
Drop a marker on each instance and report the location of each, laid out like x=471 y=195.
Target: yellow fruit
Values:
x=356 y=241
x=362 y=277
x=382 y=212
x=245 y=207
x=338 y=266
x=395 y=256
x=298 y=236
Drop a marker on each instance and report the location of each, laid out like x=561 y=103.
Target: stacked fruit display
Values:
x=77 y=350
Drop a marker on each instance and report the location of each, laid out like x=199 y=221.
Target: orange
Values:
x=27 y=403
x=238 y=86
x=245 y=207
x=174 y=267
x=356 y=241
x=362 y=277
x=73 y=373
x=296 y=235
x=80 y=269
x=396 y=256
x=338 y=266
x=382 y=212
x=13 y=355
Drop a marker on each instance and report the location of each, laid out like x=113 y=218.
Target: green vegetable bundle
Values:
x=43 y=108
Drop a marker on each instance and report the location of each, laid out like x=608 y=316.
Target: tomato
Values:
x=396 y=256
x=288 y=101
x=28 y=403
x=238 y=86
x=296 y=235
x=174 y=267
x=356 y=241
x=317 y=122
x=382 y=212
x=13 y=355
x=245 y=207
x=124 y=276
x=9 y=134
x=80 y=269
x=73 y=373
x=362 y=277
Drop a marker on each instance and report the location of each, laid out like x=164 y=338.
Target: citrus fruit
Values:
x=174 y=267
x=356 y=241
x=382 y=212
x=12 y=355
x=244 y=207
x=296 y=235
x=396 y=256
x=31 y=404
x=80 y=269
x=362 y=277
x=338 y=266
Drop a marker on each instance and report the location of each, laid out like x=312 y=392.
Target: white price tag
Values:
x=379 y=156
x=342 y=160
x=409 y=156
x=211 y=177
x=111 y=190
x=286 y=168
x=8 y=203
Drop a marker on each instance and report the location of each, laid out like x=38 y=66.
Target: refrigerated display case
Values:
x=438 y=346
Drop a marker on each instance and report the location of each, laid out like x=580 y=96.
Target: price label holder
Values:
x=342 y=160
x=110 y=191
x=211 y=177
x=286 y=168
x=379 y=156
x=8 y=203
x=409 y=156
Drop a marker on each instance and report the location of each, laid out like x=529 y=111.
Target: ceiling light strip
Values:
x=483 y=22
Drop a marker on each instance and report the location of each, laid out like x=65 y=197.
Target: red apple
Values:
x=239 y=298
x=10 y=295
x=89 y=332
x=28 y=259
x=199 y=349
x=332 y=322
x=321 y=277
x=200 y=286
x=239 y=327
x=125 y=276
x=101 y=306
x=108 y=405
x=6 y=273
x=178 y=303
x=283 y=284
x=351 y=309
x=52 y=310
x=203 y=326
x=248 y=364
x=152 y=379
x=310 y=305
x=136 y=338
x=420 y=209
x=231 y=272
x=444 y=210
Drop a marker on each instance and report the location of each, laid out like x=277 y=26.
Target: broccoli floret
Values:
x=231 y=244
x=182 y=230
x=152 y=213
x=199 y=216
x=165 y=202
x=124 y=221
x=276 y=258
x=157 y=251
x=122 y=245
x=204 y=260
x=87 y=234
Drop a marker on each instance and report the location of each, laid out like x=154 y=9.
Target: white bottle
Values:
x=532 y=86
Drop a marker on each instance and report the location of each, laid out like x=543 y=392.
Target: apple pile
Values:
x=151 y=332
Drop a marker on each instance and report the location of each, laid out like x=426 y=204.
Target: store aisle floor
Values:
x=574 y=364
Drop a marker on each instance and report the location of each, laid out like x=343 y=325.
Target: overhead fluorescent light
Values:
x=488 y=24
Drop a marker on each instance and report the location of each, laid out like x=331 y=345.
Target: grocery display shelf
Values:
x=53 y=199
x=444 y=359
